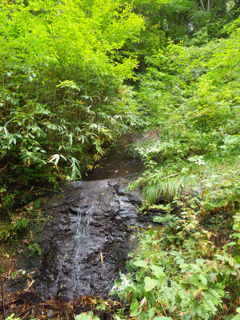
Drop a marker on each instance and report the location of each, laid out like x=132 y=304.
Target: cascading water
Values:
x=92 y=230
x=88 y=239
x=81 y=242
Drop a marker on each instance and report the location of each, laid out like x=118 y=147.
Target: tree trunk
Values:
x=202 y=4
x=209 y=5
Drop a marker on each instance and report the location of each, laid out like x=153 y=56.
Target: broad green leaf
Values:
x=134 y=307
x=150 y=283
x=157 y=271
x=140 y=263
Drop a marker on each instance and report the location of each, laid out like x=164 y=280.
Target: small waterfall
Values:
x=91 y=231
x=81 y=241
x=88 y=239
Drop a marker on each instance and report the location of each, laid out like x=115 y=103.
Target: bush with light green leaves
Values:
x=62 y=92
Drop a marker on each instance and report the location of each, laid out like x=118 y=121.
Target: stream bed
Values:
x=92 y=229
x=89 y=237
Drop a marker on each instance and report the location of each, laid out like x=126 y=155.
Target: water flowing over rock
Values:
x=91 y=230
x=88 y=239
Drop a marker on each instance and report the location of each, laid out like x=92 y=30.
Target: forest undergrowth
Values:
x=188 y=266
x=75 y=75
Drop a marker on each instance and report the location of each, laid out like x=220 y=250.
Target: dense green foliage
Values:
x=62 y=95
x=193 y=96
x=65 y=95
x=188 y=267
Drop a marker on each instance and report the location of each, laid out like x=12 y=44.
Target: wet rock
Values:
x=88 y=239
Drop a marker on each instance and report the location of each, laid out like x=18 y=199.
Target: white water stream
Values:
x=81 y=241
